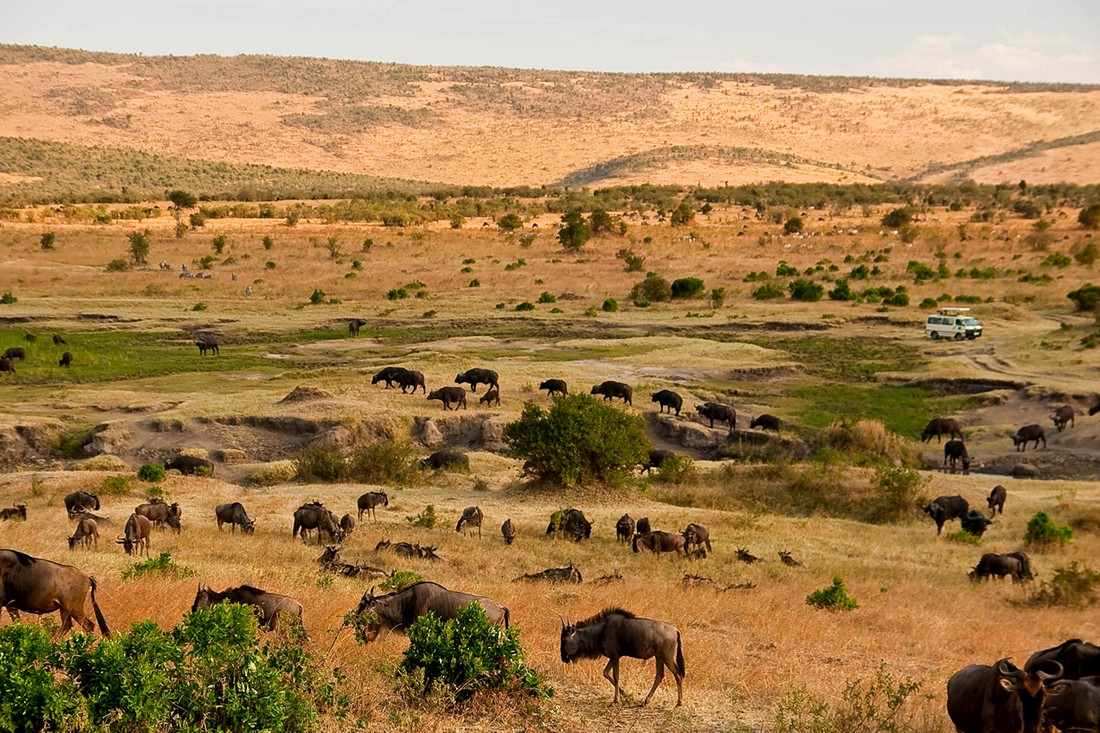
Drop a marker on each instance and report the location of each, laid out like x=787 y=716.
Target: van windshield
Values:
x=970 y=322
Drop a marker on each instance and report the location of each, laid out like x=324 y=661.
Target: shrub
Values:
x=200 y=306
x=687 y=287
x=115 y=485
x=320 y=462
x=112 y=266
x=1056 y=259
x=276 y=472
x=1086 y=297
x=929 y=303
x=882 y=706
x=793 y=225
x=785 y=270
x=832 y=598
x=139 y=246
x=475 y=283
x=842 y=291
x=767 y=291
x=717 y=297
x=676 y=471
x=1044 y=532
x=682 y=215
x=218 y=243
x=151 y=472
x=510 y=222
x=317 y=297
x=605 y=444
x=574 y=231
x=806 y=290
x=610 y=305
x=1089 y=217
x=399 y=580
x=601 y=222
x=526 y=240
x=35 y=697
x=48 y=240
x=898 y=217
x=1086 y=255
x=525 y=306
x=547 y=297
x=897 y=491
x=654 y=289
x=268 y=242
x=634 y=262
x=384 y=462
x=1074 y=586
x=426 y=518
x=963 y=538
x=162 y=565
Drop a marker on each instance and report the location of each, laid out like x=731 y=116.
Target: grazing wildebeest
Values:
x=571 y=523
x=1013 y=564
x=315 y=516
x=624 y=529
x=997 y=699
x=766 y=422
x=347 y=524
x=446 y=459
x=722 y=413
x=555 y=386
x=668 y=398
x=471 y=517
x=79 y=501
x=400 y=610
x=657 y=458
x=658 y=542
x=16 y=352
x=408 y=378
x=1073 y=705
x=944 y=508
x=567 y=574
x=86 y=533
x=137 y=531
x=1026 y=434
x=161 y=514
x=17 y=512
x=746 y=556
x=938 y=426
x=611 y=390
x=268 y=606
x=65 y=360
x=1063 y=416
x=643 y=526
x=491 y=397
x=1077 y=658
x=786 y=559
x=7 y=365
x=508 y=530
x=58 y=340
x=190 y=466
x=696 y=534
x=206 y=345
x=234 y=514
x=32 y=585
x=447 y=395
x=955 y=451
x=354 y=325
x=474 y=377
x=388 y=375
x=974 y=523
x=615 y=633
x=370 y=501
x=996 y=499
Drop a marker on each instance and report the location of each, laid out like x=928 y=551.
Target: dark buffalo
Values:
x=17 y=512
x=698 y=535
x=996 y=499
x=611 y=390
x=446 y=460
x=658 y=542
x=974 y=523
x=190 y=466
x=347 y=524
x=400 y=610
x=1028 y=433
x=938 y=426
x=668 y=398
x=388 y=375
x=1073 y=705
x=955 y=451
x=315 y=516
x=657 y=458
x=570 y=523
x=474 y=377
x=79 y=501
x=409 y=378
x=944 y=508
x=32 y=585
x=234 y=515
x=766 y=422
x=624 y=529
x=997 y=699
x=136 y=534
x=1063 y=416
x=471 y=517
x=58 y=340
x=65 y=360
x=567 y=574
x=268 y=606
x=16 y=352
x=370 y=501
x=447 y=395
x=207 y=345
x=491 y=397
x=86 y=533
x=722 y=413
x=615 y=633
x=508 y=530
x=1077 y=658
x=1013 y=564
x=555 y=386
x=7 y=365
x=354 y=325
x=1095 y=408
x=643 y=526
x=161 y=514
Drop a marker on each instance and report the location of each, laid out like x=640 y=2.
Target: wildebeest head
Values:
x=204 y=598
x=127 y=544
x=367 y=615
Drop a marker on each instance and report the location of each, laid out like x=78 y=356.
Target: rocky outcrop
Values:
x=109 y=437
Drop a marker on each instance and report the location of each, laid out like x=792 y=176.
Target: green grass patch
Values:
x=844 y=359
x=904 y=410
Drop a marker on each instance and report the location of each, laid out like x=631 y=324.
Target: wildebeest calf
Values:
x=491 y=397
x=508 y=530
x=17 y=512
x=86 y=533
x=471 y=517
x=567 y=574
x=370 y=501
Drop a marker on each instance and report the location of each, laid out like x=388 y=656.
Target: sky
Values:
x=1008 y=40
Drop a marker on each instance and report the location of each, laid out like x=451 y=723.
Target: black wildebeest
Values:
x=643 y=526
x=766 y=422
x=997 y=699
x=234 y=515
x=508 y=531
x=161 y=514
x=974 y=523
x=471 y=517
x=16 y=352
x=944 y=508
x=347 y=524
x=611 y=390
x=746 y=556
x=938 y=426
x=491 y=397
x=624 y=528
x=698 y=535
x=658 y=542
x=996 y=499
x=955 y=451
x=7 y=365
x=315 y=516
x=1077 y=658
x=668 y=398
x=136 y=533
x=1073 y=705
x=1063 y=416
x=446 y=460
x=570 y=523
x=268 y=606
x=722 y=413
x=207 y=345
x=370 y=501
x=190 y=466
x=408 y=378
x=567 y=574
x=388 y=375
x=408 y=549
x=65 y=360
x=354 y=325
x=17 y=512
x=555 y=386
x=1016 y=565
x=657 y=458
x=615 y=633
x=79 y=501
x=33 y=585
x=400 y=610
x=330 y=561
x=58 y=340
x=86 y=533
x=1028 y=433
x=447 y=395
x=474 y=377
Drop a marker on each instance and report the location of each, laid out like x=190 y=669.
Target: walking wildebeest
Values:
x=658 y=542
x=656 y=459
x=204 y=346
x=369 y=502
x=1073 y=705
x=997 y=699
x=190 y=466
x=408 y=378
x=447 y=395
x=66 y=359
x=996 y=499
x=86 y=532
x=938 y=426
x=315 y=516
x=137 y=531
x=696 y=534
x=400 y=610
x=508 y=530
x=16 y=352
x=17 y=512
x=555 y=386
x=668 y=398
x=388 y=375
x=347 y=524
x=58 y=340
x=974 y=523
x=471 y=517
x=567 y=574
x=354 y=325
x=79 y=501
x=234 y=515
x=615 y=633
x=161 y=514
x=955 y=451
x=7 y=365
x=723 y=413
x=1063 y=416
x=570 y=523
x=490 y=397
x=944 y=508
x=624 y=528
x=766 y=422
x=446 y=459
x=1077 y=658
x=33 y=585
x=474 y=377
x=611 y=390
x=1013 y=564
x=268 y=606
x=1026 y=434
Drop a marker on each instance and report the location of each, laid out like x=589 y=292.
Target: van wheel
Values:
x=959 y=337
x=935 y=335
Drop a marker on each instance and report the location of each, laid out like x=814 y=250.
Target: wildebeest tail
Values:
x=507 y=617
x=458 y=527
x=99 y=615
x=680 y=655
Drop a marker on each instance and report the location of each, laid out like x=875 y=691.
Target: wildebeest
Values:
x=611 y=390
x=997 y=699
x=657 y=458
x=33 y=585
x=786 y=559
x=1077 y=658
x=974 y=523
x=400 y=610
x=643 y=526
x=508 y=530
x=354 y=325
x=370 y=501
x=944 y=508
x=766 y=422
x=955 y=451
x=234 y=514
x=722 y=413
x=7 y=365
x=161 y=514
x=330 y=560
x=1095 y=408
x=79 y=501
x=137 y=532
x=658 y=542
x=347 y=524
x=408 y=549
x=668 y=398
x=471 y=517
x=555 y=386
x=16 y=352
x=86 y=533
x=58 y=340
x=1073 y=705
x=570 y=523
x=446 y=459
x=447 y=395
x=938 y=426
x=65 y=360
x=491 y=397
x=316 y=516
x=624 y=528
x=388 y=375
x=1016 y=565
x=1026 y=434
x=268 y=606
x=696 y=534
x=1063 y=416
x=207 y=345
x=409 y=378
x=17 y=512
x=567 y=574
x=615 y=633
x=996 y=499
x=190 y=466
x=746 y=556
x=474 y=377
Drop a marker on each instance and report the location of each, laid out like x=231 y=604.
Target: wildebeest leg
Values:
x=656 y=680
x=611 y=673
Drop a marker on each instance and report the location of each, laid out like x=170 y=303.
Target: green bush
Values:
x=717 y=297
x=842 y=291
x=525 y=306
x=1056 y=259
x=547 y=297
x=832 y=598
x=963 y=538
x=426 y=518
x=115 y=485
x=929 y=303
x=682 y=215
x=112 y=266
x=601 y=222
x=610 y=305
x=48 y=240
x=898 y=217
x=1044 y=532
x=785 y=270
x=806 y=290
x=399 y=580
x=1086 y=255
x=151 y=472
x=604 y=444
x=897 y=491
x=654 y=289
x=1089 y=217
x=380 y=462
x=34 y=698
x=1073 y=586
x=320 y=462
x=1086 y=297
x=162 y=565
x=510 y=222
x=768 y=291
x=676 y=471
x=687 y=287
x=634 y=262
x=218 y=243
x=574 y=231
x=397 y=294
x=882 y=705
x=793 y=225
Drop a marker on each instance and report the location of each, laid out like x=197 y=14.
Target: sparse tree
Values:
x=683 y=215
x=1089 y=217
x=218 y=243
x=139 y=246
x=601 y=222
x=334 y=246
x=574 y=232
x=268 y=242
x=182 y=199
x=793 y=225
x=510 y=222
x=48 y=240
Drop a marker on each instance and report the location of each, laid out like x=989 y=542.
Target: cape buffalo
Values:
x=766 y=422
x=388 y=375
x=86 y=533
x=1026 y=434
x=354 y=325
x=555 y=386
x=7 y=365
x=938 y=426
x=370 y=501
x=268 y=606
x=1077 y=658
x=997 y=699
x=974 y=523
x=1073 y=705
x=1063 y=416
x=1013 y=564
x=17 y=512
x=668 y=398
x=16 y=352
x=400 y=610
x=615 y=633
x=447 y=395
x=508 y=530
x=190 y=466
x=657 y=458
x=446 y=459
x=722 y=413
x=33 y=585
x=996 y=499
x=944 y=508
x=658 y=542
x=137 y=532
x=65 y=360
x=58 y=340
x=491 y=397
x=624 y=528
x=696 y=534
x=471 y=517
x=408 y=378
x=79 y=501
x=207 y=345
x=474 y=377
x=234 y=515
x=315 y=516
x=161 y=514
x=955 y=451
x=611 y=390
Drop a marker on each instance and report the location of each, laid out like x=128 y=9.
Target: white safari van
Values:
x=953 y=323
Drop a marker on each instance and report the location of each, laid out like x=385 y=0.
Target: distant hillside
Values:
x=502 y=127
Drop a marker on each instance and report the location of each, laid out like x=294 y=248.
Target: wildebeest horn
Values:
x=1051 y=675
x=1005 y=670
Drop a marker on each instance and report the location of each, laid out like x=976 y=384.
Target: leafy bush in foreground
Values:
x=832 y=598
x=1045 y=532
x=151 y=472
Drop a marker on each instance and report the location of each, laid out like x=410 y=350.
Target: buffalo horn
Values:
x=1051 y=675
